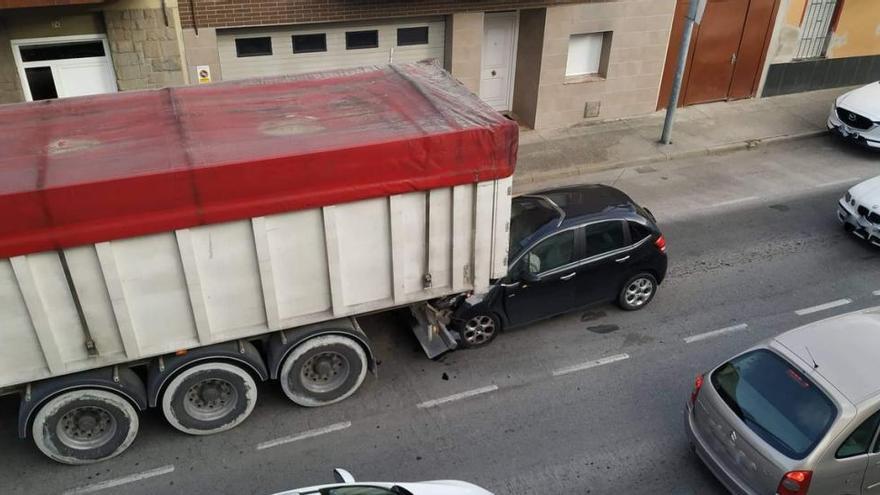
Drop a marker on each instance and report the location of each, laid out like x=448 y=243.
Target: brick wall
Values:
x=229 y=13
x=145 y=51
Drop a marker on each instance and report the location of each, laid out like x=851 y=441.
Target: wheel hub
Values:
x=86 y=427
x=210 y=399
x=324 y=372
x=639 y=291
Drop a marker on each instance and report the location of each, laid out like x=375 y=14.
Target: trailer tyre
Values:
x=323 y=370
x=85 y=426
x=209 y=398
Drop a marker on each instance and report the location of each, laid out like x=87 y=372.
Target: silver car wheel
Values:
x=639 y=292
x=479 y=330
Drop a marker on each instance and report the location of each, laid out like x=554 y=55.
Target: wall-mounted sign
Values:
x=204 y=73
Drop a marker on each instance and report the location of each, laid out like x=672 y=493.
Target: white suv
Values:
x=856 y=116
x=859 y=210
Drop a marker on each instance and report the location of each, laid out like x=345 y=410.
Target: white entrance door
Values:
x=64 y=66
x=499 y=59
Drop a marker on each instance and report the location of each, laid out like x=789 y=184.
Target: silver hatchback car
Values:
x=796 y=414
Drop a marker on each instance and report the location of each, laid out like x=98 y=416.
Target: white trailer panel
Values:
x=155 y=294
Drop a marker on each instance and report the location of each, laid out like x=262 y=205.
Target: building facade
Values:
x=61 y=48
x=823 y=44
x=547 y=63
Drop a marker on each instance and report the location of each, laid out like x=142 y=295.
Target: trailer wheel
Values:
x=323 y=370
x=209 y=398
x=85 y=426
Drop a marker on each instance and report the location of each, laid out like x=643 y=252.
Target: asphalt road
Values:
x=587 y=403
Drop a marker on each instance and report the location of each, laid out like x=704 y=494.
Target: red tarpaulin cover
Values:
x=90 y=169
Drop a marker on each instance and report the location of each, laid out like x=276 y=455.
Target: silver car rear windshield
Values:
x=776 y=401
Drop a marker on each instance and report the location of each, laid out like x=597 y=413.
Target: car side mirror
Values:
x=528 y=277
x=342 y=476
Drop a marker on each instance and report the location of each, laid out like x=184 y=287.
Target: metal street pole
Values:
x=690 y=20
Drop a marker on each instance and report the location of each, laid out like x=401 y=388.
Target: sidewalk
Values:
x=551 y=156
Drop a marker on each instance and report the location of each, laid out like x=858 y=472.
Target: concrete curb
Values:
x=529 y=181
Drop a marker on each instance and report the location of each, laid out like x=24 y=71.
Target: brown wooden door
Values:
x=750 y=57
x=715 y=52
x=726 y=54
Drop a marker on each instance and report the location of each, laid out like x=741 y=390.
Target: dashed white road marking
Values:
x=591 y=364
x=734 y=201
x=823 y=307
x=103 y=485
x=715 y=333
x=306 y=434
x=876 y=292
x=459 y=396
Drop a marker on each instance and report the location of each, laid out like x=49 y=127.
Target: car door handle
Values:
x=511 y=285
x=568 y=277
x=621 y=260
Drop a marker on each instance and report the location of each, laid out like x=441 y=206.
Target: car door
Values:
x=542 y=281
x=608 y=254
x=871 y=483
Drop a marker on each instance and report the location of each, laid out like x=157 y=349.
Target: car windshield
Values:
x=776 y=401
x=528 y=214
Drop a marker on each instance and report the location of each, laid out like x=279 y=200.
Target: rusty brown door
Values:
x=715 y=52
x=727 y=51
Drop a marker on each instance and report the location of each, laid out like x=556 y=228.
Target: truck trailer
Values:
x=171 y=248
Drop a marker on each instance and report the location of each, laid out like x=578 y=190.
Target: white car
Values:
x=856 y=115
x=346 y=485
x=859 y=210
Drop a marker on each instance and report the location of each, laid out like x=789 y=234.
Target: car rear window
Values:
x=776 y=401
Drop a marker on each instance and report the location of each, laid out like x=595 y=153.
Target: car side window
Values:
x=551 y=253
x=638 y=231
x=604 y=237
x=860 y=440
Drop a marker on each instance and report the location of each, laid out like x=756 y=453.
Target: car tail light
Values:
x=795 y=483
x=698 y=384
x=660 y=242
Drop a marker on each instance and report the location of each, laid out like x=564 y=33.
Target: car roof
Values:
x=845 y=348
x=587 y=200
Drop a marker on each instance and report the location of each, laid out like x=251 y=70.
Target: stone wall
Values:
x=145 y=51
x=10 y=88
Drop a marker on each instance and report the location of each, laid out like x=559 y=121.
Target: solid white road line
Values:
x=455 y=397
x=876 y=292
x=302 y=436
x=591 y=364
x=823 y=307
x=103 y=485
x=715 y=333
x=733 y=201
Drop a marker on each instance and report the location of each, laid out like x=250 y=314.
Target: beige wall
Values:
x=201 y=49
x=464 y=35
x=640 y=35
x=10 y=87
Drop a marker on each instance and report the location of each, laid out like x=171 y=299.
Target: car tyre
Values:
x=323 y=370
x=478 y=329
x=637 y=292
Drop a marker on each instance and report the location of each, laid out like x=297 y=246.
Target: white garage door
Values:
x=259 y=52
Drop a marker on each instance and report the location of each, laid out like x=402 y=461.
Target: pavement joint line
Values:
x=304 y=435
x=459 y=396
x=848 y=180
x=734 y=201
x=591 y=364
x=715 y=333
x=822 y=307
x=103 y=485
